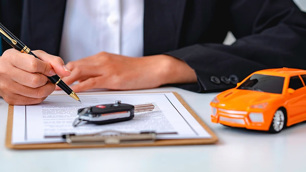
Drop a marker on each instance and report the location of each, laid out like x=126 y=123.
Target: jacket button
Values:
x=215 y=80
x=225 y=80
x=234 y=79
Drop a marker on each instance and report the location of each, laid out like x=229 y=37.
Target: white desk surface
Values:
x=237 y=150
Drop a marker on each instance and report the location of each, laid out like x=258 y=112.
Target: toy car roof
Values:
x=285 y=72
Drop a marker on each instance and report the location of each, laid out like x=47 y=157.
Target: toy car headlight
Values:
x=259 y=106
x=256 y=117
x=214 y=111
x=215 y=100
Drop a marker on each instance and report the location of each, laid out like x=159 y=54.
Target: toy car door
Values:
x=296 y=102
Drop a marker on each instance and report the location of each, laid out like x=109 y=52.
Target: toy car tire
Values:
x=278 y=122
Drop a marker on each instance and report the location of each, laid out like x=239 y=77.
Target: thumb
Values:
x=56 y=62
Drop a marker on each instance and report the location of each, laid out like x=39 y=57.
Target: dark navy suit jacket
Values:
x=270 y=33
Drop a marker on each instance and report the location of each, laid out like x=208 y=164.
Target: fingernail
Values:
x=51 y=72
x=66 y=69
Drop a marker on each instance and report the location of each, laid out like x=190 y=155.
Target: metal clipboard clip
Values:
x=111 y=137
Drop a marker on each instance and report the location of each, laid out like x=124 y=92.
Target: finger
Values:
x=88 y=84
x=28 y=63
x=16 y=99
x=57 y=88
x=84 y=68
x=92 y=65
x=15 y=93
x=56 y=62
x=33 y=80
x=40 y=92
x=75 y=75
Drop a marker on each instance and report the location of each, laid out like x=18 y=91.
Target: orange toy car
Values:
x=266 y=100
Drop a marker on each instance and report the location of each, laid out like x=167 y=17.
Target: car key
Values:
x=110 y=113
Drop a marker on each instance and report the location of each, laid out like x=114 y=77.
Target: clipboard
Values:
x=163 y=142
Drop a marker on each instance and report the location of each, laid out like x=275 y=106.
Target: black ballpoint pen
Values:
x=13 y=41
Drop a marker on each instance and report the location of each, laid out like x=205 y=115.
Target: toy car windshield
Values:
x=264 y=83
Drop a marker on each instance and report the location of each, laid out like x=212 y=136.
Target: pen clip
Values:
x=8 y=37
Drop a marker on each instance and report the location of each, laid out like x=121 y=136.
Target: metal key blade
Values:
x=144 y=107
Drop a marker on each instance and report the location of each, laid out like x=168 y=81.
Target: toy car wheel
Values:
x=278 y=121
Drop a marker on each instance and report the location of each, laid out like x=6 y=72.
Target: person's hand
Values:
x=116 y=72
x=23 y=77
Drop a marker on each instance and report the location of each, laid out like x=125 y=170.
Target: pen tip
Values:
x=74 y=96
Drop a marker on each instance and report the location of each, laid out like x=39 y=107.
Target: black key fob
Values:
x=105 y=113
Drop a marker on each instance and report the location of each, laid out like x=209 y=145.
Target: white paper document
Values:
x=56 y=114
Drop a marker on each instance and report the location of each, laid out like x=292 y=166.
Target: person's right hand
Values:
x=23 y=78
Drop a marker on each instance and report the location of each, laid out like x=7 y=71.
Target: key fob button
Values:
x=101 y=106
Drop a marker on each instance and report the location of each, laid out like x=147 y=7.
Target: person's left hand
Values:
x=116 y=72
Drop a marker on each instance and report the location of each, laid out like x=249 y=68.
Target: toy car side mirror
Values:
x=238 y=84
x=290 y=90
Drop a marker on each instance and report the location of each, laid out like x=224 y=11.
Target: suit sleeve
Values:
x=269 y=33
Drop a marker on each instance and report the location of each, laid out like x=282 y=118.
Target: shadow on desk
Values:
x=294 y=129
